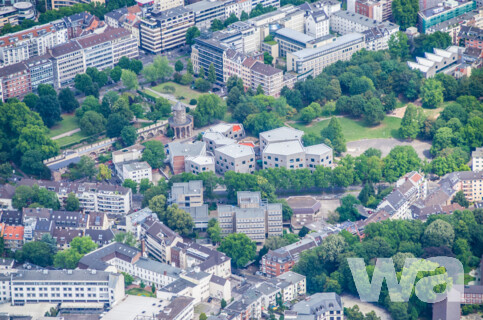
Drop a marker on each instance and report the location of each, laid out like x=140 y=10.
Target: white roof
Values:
x=424 y=62
x=284 y=148
x=132 y=306
x=134 y=166
x=282 y=134
x=235 y=150
x=318 y=149
x=433 y=57
x=221 y=127
x=201 y=160
x=218 y=138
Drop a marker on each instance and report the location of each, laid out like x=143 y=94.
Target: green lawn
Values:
x=140 y=292
x=76 y=137
x=180 y=91
x=356 y=129
x=68 y=123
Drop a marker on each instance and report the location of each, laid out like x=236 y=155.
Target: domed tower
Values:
x=179 y=113
x=180 y=122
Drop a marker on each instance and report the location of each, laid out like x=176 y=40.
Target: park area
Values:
x=356 y=129
x=180 y=92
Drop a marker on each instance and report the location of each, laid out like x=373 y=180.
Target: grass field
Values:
x=181 y=91
x=140 y=292
x=76 y=137
x=356 y=129
x=68 y=123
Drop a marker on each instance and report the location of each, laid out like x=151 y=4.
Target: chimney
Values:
x=165 y=272
x=143 y=247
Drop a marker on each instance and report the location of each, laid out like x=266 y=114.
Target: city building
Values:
x=199 y=164
x=369 y=8
x=215 y=140
x=269 y=78
x=14 y=81
x=57 y=4
x=187 y=255
x=119 y=257
x=163 y=5
x=36 y=41
x=59 y=286
x=165 y=30
x=316 y=19
x=253 y=216
x=180 y=308
x=229 y=130
x=135 y=220
x=13 y=237
x=453 y=26
x=477 y=159
x=187 y=194
x=377 y=38
x=313 y=61
x=304 y=209
x=292 y=154
x=290 y=41
x=206 y=11
x=178 y=153
x=132 y=153
x=7 y=192
x=345 y=22
x=235 y=157
x=319 y=306
x=442 y=12
x=82 y=23
x=25 y=11
x=471 y=37
x=159 y=239
x=438 y=61
x=281 y=134
x=96 y=50
x=8 y=15
x=93 y=197
x=200 y=216
x=136 y=171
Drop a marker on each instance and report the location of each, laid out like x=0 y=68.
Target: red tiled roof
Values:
x=247 y=144
x=13 y=233
x=236 y=128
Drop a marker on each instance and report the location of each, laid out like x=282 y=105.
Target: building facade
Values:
x=235 y=157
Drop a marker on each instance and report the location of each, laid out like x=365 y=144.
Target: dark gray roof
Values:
x=7 y=191
x=319 y=303
x=13 y=68
x=97 y=259
x=158 y=267
x=218 y=280
x=65 y=48
x=265 y=69
x=178 y=285
x=100 y=236
x=175 y=308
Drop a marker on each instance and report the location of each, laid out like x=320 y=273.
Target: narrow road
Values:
x=66 y=134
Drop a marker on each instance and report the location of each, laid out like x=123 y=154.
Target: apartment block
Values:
x=313 y=61
x=317 y=18
x=119 y=257
x=136 y=171
x=19 y=46
x=269 y=78
x=369 y=8
x=14 y=81
x=187 y=194
x=319 y=306
x=229 y=130
x=96 y=50
x=477 y=159
x=159 y=239
x=190 y=254
x=215 y=140
x=345 y=22
x=377 y=38
x=253 y=216
x=472 y=37
x=63 y=286
x=162 y=5
x=235 y=157
x=206 y=11
x=178 y=153
x=132 y=153
x=453 y=26
x=165 y=30
x=199 y=164
x=93 y=197
x=443 y=12
x=281 y=134
x=8 y=14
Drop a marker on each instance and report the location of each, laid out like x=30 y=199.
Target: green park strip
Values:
x=68 y=123
x=356 y=129
x=180 y=91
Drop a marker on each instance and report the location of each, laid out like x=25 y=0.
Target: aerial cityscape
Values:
x=241 y=159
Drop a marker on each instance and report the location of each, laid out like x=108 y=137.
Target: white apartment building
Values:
x=206 y=11
x=93 y=197
x=281 y=134
x=59 y=286
x=199 y=164
x=319 y=155
x=22 y=45
x=119 y=257
x=215 y=140
x=312 y=61
x=95 y=50
x=317 y=24
x=163 y=5
x=345 y=22
x=229 y=130
x=235 y=157
x=136 y=171
x=269 y=78
x=131 y=153
x=477 y=159
x=165 y=30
